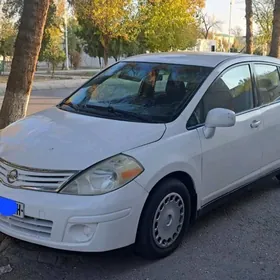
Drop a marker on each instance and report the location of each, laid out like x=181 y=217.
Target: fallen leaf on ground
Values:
x=5 y=269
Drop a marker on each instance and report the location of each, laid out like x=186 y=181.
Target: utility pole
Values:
x=229 y=31
x=66 y=36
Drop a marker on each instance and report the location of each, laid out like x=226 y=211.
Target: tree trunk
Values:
x=105 y=57
x=27 y=48
x=275 y=43
x=106 y=50
x=100 y=64
x=4 y=63
x=249 y=26
x=48 y=66
x=53 y=69
x=206 y=33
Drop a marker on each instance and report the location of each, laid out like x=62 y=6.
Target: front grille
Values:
x=29 y=226
x=32 y=178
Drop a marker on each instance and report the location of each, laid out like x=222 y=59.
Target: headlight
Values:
x=104 y=177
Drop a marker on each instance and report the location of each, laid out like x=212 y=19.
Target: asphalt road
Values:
x=239 y=240
x=43 y=99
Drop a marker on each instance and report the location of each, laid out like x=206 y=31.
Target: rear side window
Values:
x=232 y=90
x=268 y=83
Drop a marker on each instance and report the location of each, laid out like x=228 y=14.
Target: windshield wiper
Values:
x=71 y=105
x=120 y=113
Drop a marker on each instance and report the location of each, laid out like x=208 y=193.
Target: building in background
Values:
x=205 y=45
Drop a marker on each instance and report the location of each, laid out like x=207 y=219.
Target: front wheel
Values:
x=164 y=220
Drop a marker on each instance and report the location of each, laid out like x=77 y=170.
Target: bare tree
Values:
x=27 y=48
x=249 y=26
x=238 y=44
x=237 y=31
x=275 y=43
x=208 y=23
x=263 y=17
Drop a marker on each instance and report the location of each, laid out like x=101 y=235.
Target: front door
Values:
x=232 y=157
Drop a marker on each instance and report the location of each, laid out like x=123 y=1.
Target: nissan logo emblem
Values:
x=12 y=176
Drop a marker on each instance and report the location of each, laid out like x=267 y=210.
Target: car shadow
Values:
x=246 y=197
x=109 y=265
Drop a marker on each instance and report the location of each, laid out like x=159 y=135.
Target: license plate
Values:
x=20 y=210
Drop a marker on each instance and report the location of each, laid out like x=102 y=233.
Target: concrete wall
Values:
x=86 y=62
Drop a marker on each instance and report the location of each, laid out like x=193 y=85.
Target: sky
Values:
x=221 y=10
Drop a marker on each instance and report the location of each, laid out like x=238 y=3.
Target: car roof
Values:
x=207 y=59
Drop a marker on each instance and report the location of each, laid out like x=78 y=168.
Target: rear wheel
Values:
x=164 y=220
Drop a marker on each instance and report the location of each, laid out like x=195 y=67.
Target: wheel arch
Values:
x=188 y=181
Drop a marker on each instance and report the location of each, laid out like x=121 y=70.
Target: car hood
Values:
x=56 y=139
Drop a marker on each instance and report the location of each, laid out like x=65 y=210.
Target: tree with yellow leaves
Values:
x=54 y=53
x=169 y=24
x=112 y=18
x=158 y=25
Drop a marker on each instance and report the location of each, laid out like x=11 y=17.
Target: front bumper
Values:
x=76 y=223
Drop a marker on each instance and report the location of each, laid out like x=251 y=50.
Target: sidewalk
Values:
x=52 y=84
x=65 y=72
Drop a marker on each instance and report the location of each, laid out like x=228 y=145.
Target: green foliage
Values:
x=258 y=51
x=122 y=29
x=54 y=52
x=75 y=43
x=55 y=21
x=89 y=34
x=110 y=20
x=263 y=17
x=75 y=59
x=7 y=37
x=169 y=24
x=12 y=8
x=117 y=47
x=52 y=21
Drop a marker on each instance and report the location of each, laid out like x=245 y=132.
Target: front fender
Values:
x=180 y=153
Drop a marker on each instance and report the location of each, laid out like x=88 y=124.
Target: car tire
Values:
x=164 y=220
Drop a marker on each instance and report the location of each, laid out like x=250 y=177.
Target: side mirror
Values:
x=218 y=117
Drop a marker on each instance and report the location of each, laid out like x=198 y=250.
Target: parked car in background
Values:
x=139 y=151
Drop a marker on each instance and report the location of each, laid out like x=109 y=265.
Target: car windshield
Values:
x=138 y=91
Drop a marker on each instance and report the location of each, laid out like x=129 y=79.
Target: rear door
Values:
x=268 y=87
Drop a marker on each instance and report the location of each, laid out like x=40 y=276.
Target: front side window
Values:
x=232 y=90
x=268 y=83
x=148 y=92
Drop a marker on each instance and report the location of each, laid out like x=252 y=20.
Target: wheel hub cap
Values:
x=168 y=220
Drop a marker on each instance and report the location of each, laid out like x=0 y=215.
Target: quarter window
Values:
x=268 y=83
x=232 y=90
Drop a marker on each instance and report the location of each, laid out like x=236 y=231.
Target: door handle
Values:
x=255 y=124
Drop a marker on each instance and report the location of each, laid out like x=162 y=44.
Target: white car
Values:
x=137 y=153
